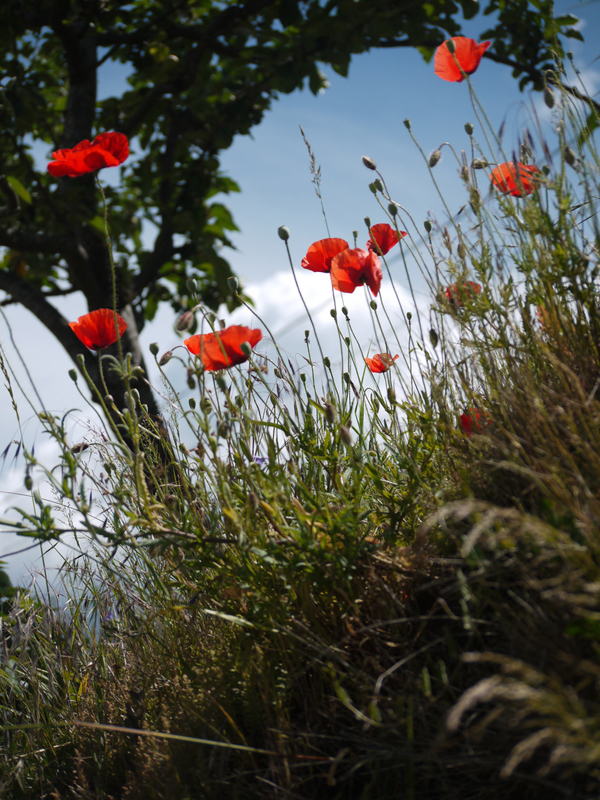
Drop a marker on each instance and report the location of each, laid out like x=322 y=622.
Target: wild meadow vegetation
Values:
x=333 y=582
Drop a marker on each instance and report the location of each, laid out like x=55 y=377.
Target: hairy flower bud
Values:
x=427 y=226
x=407 y=124
x=185 y=322
x=368 y=162
x=469 y=128
x=373 y=187
x=232 y=282
x=570 y=156
x=435 y=157
x=373 y=305
x=549 y=97
x=479 y=163
x=393 y=209
x=73 y=375
x=331 y=414
x=165 y=358
x=154 y=348
x=345 y=436
x=192 y=285
x=284 y=232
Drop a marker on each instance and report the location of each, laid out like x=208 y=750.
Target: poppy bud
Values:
x=345 y=311
x=464 y=173
x=333 y=313
x=347 y=340
x=246 y=349
x=191 y=382
x=206 y=404
x=570 y=156
x=546 y=169
x=220 y=381
x=80 y=358
x=379 y=185
x=393 y=209
x=435 y=157
x=346 y=377
x=284 y=233
x=165 y=358
x=192 y=285
x=185 y=321
x=28 y=482
x=109 y=399
x=549 y=97
x=407 y=124
x=373 y=187
x=451 y=46
x=368 y=162
x=331 y=414
x=345 y=436
x=408 y=316
x=73 y=375
x=479 y=163
x=427 y=226
x=154 y=348
x=192 y=403
x=232 y=282
x=461 y=250
x=327 y=362
x=469 y=128
x=391 y=395
x=306 y=335
x=433 y=337
x=303 y=377
x=367 y=223
x=373 y=305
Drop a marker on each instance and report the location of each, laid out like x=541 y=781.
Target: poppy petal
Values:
x=466 y=51
x=352 y=268
x=382 y=362
x=96 y=330
x=107 y=150
x=385 y=237
x=223 y=349
x=517 y=180
x=319 y=255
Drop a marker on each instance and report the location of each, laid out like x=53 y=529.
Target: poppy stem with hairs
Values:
x=112 y=268
x=289 y=255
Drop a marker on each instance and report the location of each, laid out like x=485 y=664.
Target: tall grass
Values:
x=343 y=586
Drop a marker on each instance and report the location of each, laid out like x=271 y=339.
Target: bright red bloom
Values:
x=455 y=292
x=352 y=268
x=517 y=180
x=97 y=329
x=385 y=236
x=466 y=51
x=223 y=349
x=471 y=421
x=319 y=255
x=381 y=362
x=107 y=150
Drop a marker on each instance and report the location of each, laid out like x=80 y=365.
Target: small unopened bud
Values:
x=368 y=162
x=479 y=163
x=246 y=349
x=28 y=482
x=464 y=173
x=154 y=348
x=355 y=236
x=206 y=404
x=461 y=250
x=373 y=187
x=346 y=377
x=433 y=337
x=192 y=285
x=191 y=382
x=427 y=226
x=80 y=358
x=284 y=232
x=407 y=124
x=73 y=375
x=303 y=377
x=391 y=395
x=408 y=316
x=109 y=399
x=185 y=321
x=435 y=157
x=373 y=305
x=546 y=169
x=326 y=362
x=570 y=156
x=345 y=311
x=469 y=128
x=549 y=97
x=345 y=436
x=192 y=403
x=331 y=414
x=367 y=222
x=379 y=185
x=232 y=282
x=450 y=45
x=306 y=335
x=333 y=313
x=220 y=381
x=165 y=358
x=393 y=209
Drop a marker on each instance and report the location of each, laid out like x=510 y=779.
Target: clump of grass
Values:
x=338 y=587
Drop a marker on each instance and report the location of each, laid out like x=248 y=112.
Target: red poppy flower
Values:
x=319 y=255
x=381 y=362
x=97 y=329
x=385 y=236
x=471 y=421
x=455 y=293
x=517 y=180
x=352 y=268
x=466 y=51
x=223 y=349
x=107 y=150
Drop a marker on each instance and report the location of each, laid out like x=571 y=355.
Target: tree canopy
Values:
x=200 y=72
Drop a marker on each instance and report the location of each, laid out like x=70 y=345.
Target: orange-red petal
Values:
x=456 y=292
x=515 y=179
x=381 y=362
x=385 y=236
x=468 y=54
x=97 y=329
x=223 y=349
x=319 y=255
x=107 y=150
x=352 y=268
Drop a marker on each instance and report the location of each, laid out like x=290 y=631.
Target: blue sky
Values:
x=360 y=115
